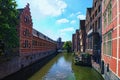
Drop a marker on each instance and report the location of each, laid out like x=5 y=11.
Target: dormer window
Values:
x=38 y=34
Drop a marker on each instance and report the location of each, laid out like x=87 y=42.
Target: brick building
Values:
x=60 y=44
x=76 y=42
x=94 y=30
x=111 y=39
x=89 y=32
x=73 y=42
x=82 y=35
x=103 y=32
x=96 y=16
x=33 y=44
x=79 y=39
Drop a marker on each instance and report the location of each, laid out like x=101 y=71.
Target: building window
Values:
x=108 y=14
x=27 y=19
x=38 y=34
x=110 y=11
x=26 y=44
x=104 y=44
x=26 y=33
x=107 y=45
x=99 y=22
x=90 y=27
x=90 y=43
x=95 y=27
x=105 y=20
x=99 y=8
x=34 y=43
x=95 y=13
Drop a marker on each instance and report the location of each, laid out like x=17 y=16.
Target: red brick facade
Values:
x=110 y=34
x=25 y=31
x=33 y=44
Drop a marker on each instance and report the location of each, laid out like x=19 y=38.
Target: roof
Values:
x=40 y=35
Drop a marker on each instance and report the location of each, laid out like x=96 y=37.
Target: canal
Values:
x=59 y=67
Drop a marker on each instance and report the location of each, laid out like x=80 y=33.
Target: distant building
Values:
x=59 y=44
x=59 y=39
x=82 y=36
x=77 y=41
x=73 y=42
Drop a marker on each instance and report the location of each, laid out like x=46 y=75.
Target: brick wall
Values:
x=112 y=26
x=25 y=31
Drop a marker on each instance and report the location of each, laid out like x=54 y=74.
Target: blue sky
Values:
x=56 y=18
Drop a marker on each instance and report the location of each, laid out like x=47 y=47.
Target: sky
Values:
x=56 y=18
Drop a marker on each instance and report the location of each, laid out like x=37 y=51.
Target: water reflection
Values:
x=56 y=69
x=62 y=68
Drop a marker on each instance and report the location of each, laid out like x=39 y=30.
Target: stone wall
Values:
x=9 y=67
x=18 y=63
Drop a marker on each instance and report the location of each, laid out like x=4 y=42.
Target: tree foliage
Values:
x=8 y=23
x=68 y=46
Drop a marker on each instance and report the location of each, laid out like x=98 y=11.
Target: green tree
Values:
x=68 y=46
x=8 y=23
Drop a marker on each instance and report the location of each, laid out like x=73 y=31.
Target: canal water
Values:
x=61 y=67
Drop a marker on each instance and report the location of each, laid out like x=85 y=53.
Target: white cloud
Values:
x=67 y=29
x=72 y=15
x=81 y=16
x=73 y=22
x=40 y=8
x=60 y=21
x=78 y=13
x=51 y=34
